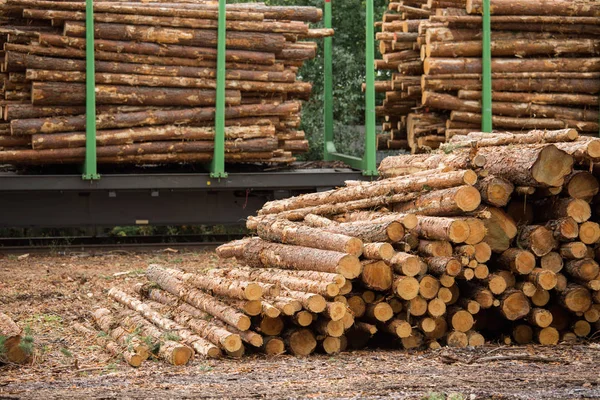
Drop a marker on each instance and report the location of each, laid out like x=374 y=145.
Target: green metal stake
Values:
x=486 y=64
x=370 y=157
x=329 y=147
x=90 y=166
x=218 y=162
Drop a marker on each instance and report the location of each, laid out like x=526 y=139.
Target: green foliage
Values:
x=27 y=341
x=66 y=352
x=172 y=336
x=443 y=396
x=2 y=342
x=348 y=75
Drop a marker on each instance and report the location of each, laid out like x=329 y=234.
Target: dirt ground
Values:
x=48 y=293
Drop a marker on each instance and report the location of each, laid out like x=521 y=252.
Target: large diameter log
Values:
x=398 y=185
x=148 y=118
x=535 y=165
x=194 y=37
x=287 y=232
x=198 y=53
x=439 y=66
x=518 y=47
x=555 y=7
x=48 y=93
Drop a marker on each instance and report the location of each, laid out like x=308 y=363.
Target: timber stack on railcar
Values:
x=545 y=68
x=493 y=239
x=155 y=81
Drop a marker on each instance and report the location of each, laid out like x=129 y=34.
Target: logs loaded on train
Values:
x=491 y=240
x=545 y=68
x=155 y=81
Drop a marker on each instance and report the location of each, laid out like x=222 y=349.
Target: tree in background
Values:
x=348 y=76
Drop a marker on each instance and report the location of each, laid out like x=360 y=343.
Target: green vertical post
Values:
x=370 y=156
x=90 y=165
x=217 y=169
x=328 y=86
x=486 y=64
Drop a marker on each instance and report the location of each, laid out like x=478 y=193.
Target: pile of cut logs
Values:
x=493 y=239
x=11 y=349
x=155 y=81
x=545 y=68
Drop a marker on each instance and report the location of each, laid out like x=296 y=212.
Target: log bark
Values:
x=532 y=165
x=538 y=239
x=383 y=187
x=258 y=253
x=48 y=93
x=440 y=228
x=198 y=299
x=147 y=118
x=287 y=232
x=560 y=7
x=443 y=202
x=255 y=41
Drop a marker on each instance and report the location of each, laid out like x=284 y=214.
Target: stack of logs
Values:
x=11 y=348
x=493 y=239
x=545 y=68
x=155 y=81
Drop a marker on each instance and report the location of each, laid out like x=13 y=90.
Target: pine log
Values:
x=48 y=93
x=397 y=185
x=377 y=275
x=534 y=165
x=198 y=299
x=287 y=232
x=258 y=253
x=146 y=118
x=440 y=228
x=109 y=345
x=557 y=7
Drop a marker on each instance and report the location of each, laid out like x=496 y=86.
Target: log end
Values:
x=273 y=346
x=331 y=345
x=354 y=246
x=383 y=312
x=589 y=232
x=436 y=308
x=457 y=339
x=468 y=198
x=548 y=336
x=406 y=287
x=462 y=321
x=459 y=231
x=336 y=310
x=552 y=166
x=579 y=210
x=253 y=307
x=231 y=343
x=349 y=266
x=515 y=306
x=410 y=221
x=243 y=323
x=523 y=334
x=304 y=318
x=524 y=262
